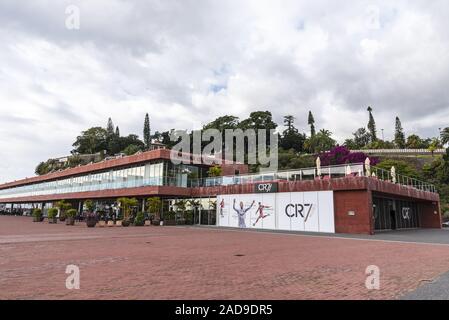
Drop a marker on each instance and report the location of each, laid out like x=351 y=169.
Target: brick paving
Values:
x=202 y=263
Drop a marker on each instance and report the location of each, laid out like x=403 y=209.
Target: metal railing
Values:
x=324 y=173
x=414 y=183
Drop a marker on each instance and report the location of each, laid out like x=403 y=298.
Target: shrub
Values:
x=52 y=213
x=140 y=219
x=89 y=204
x=37 y=213
x=71 y=213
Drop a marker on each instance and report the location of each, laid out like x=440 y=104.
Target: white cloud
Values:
x=187 y=62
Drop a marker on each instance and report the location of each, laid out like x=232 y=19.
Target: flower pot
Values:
x=52 y=220
x=70 y=221
x=37 y=219
x=147 y=223
x=110 y=223
x=91 y=222
x=118 y=223
x=101 y=224
x=125 y=223
x=62 y=218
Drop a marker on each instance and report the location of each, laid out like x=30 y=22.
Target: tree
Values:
x=402 y=168
x=399 y=137
x=110 y=127
x=126 y=204
x=414 y=142
x=132 y=139
x=362 y=137
x=91 y=141
x=131 y=149
x=291 y=138
x=444 y=136
x=154 y=205
x=311 y=123
x=214 y=171
x=147 y=132
x=434 y=145
x=372 y=125
x=117 y=132
x=63 y=206
x=259 y=120
x=320 y=142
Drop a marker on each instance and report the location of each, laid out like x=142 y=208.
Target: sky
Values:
x=188 y=62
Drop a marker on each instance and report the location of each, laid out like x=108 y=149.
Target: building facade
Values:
x=336 y=199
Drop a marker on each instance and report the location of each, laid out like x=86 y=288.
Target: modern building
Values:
x=337 y=199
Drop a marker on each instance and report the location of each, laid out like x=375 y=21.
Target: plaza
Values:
x=207 y=263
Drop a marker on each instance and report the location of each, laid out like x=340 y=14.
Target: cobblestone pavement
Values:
x=201 y=263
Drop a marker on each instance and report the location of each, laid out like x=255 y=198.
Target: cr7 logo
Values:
x=265 y=187
x=295 y=210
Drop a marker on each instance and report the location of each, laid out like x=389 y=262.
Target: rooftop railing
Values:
x=322 y=173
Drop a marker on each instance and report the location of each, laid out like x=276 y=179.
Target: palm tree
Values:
x=444 y=136
x=154 y=204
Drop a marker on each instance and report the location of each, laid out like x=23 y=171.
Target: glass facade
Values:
x=157 y=173
x=393 y=214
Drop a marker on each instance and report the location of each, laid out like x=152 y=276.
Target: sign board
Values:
x=266 y=187
x=295 y=211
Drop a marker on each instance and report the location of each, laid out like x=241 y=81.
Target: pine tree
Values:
x=110 y=127
x=399 y=137
x=288 y=122
x=147 y=132
x=311 y=123
x=117 y=132
x=372 y=125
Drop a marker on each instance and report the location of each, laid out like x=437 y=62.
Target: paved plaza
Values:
x=207 y=263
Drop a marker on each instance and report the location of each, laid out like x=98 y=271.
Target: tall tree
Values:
x=110 y=127
x=399 y=137
x=320 y=142
x=311 y=123
x=147 y=132
x=289 y=123
x=444 y=136
x=372 y=125
x=117 y=132
x=91 y=141
x=291 y=138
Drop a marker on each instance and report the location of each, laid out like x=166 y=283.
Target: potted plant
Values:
x=91 y=217
x=63 y=206
x=37 y=215
x=154 y=206
x=70 y=217
x=180 y=210
x=52 y=213
x=125 y=205
x=139 y=221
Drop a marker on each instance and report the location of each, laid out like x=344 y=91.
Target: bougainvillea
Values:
x=342 y=155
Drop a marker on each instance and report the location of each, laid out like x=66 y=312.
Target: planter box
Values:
x=101 y=224
x=70 y=221
x=111 y=223
x=118 y=223
x=147 y=223
x=169 y=222
x=52 y=220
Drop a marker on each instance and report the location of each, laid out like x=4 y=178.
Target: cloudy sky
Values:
x=187 y=62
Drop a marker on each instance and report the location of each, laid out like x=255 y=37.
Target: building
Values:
x=337 y=199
